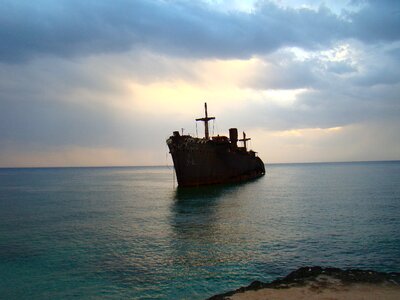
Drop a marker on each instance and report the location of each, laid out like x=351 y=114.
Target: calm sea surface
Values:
x=128 y=233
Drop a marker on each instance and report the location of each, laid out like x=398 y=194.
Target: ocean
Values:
x=128 y=232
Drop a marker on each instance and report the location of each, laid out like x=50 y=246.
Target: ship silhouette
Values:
x=213 y=160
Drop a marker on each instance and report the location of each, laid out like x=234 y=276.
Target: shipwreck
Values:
x=213 y=160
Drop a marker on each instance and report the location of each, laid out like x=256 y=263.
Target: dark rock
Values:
x=305 y=275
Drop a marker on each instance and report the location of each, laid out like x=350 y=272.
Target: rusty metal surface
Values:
x=212 y=161
x=201 y=161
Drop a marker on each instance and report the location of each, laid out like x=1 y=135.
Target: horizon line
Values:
x=155 y=166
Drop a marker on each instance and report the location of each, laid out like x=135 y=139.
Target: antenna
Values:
x=205 y=120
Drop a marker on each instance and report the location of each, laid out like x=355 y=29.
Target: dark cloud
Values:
x=377 y=21
x=73 y=27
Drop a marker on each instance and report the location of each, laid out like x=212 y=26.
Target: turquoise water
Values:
x=128 y=233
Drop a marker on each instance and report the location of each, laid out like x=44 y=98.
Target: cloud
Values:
x=55 y=102
x=378 y=21
x=282 y=71
x=324 y=108
x=64 y=28
x=118 y=78
x=340 y=68
x=348 y=143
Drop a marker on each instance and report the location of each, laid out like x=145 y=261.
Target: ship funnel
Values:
x=233 y=136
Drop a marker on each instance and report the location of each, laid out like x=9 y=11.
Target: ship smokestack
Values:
x=233 y=136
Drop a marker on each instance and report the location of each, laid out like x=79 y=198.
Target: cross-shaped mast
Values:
x=244 y=140
x=205 y=120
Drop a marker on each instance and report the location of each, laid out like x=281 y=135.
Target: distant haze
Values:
x=102 y=83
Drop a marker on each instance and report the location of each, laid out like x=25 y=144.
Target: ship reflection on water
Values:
x=208 y=201
x=202 y=193
x=205 y=234
x=194 y=210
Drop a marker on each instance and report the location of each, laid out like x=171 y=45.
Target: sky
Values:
x=104 y=83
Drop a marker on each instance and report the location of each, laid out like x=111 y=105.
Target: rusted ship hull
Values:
x=202 y=162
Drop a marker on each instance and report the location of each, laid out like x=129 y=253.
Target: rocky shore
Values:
x=322 y=283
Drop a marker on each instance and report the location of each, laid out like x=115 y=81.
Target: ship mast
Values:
x=244 y=140
x=205 y=120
